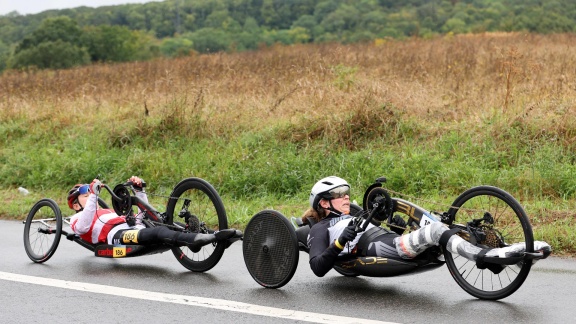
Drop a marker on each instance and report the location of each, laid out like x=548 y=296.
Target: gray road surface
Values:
x=547 y=296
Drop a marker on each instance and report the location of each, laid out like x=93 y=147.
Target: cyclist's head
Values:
x=328 y=191
x=75 y=192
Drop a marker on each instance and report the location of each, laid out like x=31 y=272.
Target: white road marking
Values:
x=222 y=304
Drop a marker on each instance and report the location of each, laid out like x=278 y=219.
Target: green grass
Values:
x=435 y=117
x=256 y=171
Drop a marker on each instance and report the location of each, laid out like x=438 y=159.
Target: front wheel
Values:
x=489 y=218
x=42 y=230
x=197 y=205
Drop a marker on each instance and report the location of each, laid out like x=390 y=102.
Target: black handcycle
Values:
x=486 y=216
x=193 y=206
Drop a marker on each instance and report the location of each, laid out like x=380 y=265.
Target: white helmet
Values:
x=323 y=187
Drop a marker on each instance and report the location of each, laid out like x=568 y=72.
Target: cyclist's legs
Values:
x=383 y=246
x=162 y=234
x=410 y=245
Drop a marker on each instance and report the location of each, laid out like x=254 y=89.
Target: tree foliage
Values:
x=56 y=54
x=133 y=31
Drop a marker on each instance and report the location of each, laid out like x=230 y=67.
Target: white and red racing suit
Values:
x=95 y=225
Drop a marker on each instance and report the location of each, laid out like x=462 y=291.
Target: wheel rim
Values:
x=206 y=215
x=510 y=225
x=42 y=231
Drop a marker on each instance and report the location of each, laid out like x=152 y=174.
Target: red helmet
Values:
x=77 y=190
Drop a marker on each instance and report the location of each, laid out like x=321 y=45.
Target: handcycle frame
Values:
x=272 y=243
x=210 y=216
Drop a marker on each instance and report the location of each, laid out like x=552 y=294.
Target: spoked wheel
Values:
x=197 y=204
x=490 y=218
x=270 y=249
x=42 y=230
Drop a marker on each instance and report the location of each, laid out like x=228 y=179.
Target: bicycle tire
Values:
x=207 y=206
x=41 y=238
x=513 y=226
x=270 y=249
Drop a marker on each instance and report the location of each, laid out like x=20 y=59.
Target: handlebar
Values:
x=118 y=199
x=377 y=206
x=125 y=184
x=131 y=184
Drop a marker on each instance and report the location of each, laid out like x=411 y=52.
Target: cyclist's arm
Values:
x=323 y=253
x=142 y=196
x=82 y=221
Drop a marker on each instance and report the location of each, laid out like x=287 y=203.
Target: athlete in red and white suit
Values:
x=95 y=225
x=99 y=225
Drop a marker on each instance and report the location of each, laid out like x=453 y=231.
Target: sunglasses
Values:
x=338 y=192
x=84 y=189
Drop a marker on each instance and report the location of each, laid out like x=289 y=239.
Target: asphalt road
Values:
x=74 y=286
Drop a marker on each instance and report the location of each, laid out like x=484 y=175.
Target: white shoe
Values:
x=518 y=249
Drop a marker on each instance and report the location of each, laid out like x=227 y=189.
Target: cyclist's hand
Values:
x=347 y=235
x=137 y=182
x=399 y=224
x=95 y=186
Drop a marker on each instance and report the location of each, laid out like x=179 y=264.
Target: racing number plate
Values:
x=119 y=252
x=130 y=236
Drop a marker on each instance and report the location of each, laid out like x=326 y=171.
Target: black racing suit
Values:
x=323 y=252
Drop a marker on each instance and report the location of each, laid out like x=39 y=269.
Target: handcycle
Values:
x=486 y=216
x=193 y=206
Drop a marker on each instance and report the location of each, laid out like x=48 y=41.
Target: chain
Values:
x=421 y=199
x=414 y=198
x=162 y=196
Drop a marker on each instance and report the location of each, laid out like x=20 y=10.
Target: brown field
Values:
x=478 y=83
x=451 y=81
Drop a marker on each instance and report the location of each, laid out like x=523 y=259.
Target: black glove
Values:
x=348 y=234
x=399 y=224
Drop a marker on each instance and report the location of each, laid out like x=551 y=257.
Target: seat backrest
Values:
x=302 y=236
x=311 y=221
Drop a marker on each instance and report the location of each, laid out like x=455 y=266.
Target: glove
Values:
x=95 y=187
x=347 y=235
x=400 y=224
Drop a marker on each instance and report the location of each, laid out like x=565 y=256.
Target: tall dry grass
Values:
x=448 y=82
x=442 y=115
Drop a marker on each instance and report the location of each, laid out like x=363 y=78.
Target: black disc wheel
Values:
x=489 y=218
x=270 y=249
x=195 y=203
x=42 y=230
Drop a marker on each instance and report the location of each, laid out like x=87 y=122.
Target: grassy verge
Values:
x=435 y=117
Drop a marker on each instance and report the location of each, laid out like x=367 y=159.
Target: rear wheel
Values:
x=489 y=218
x=42 y=230
x=270 y=249
x=196 y=205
